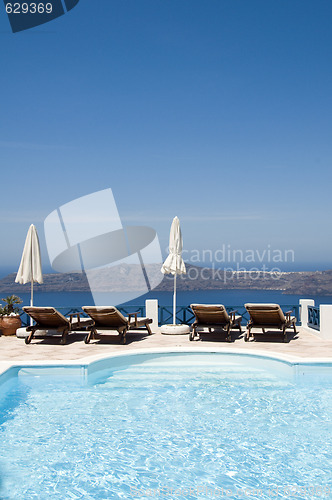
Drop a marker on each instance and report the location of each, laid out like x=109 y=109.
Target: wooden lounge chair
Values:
x=110 y=319
x=48 y=318
x=268 y=316
x=214 y=316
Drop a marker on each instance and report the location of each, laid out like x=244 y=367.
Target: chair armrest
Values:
x=135 y=314
x=232 y=313
x=78 y=316
x=288 y=313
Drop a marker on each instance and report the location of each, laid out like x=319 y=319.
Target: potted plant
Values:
x=10 y=319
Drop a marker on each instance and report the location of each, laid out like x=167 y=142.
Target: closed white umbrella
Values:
x=30 y=269
x=174 y=263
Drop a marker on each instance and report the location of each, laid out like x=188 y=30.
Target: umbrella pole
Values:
x=31 y=272
x=174 y=301
x=31 y=301
x=31 y=297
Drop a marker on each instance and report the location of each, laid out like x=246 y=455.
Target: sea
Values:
x=184 y=298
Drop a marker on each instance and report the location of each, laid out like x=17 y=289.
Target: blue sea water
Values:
x=226 y=297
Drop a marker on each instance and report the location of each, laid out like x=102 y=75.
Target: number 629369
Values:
x=32 y=8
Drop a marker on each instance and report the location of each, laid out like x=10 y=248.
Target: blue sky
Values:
x=216 y=111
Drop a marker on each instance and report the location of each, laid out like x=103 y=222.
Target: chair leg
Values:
x=148 y=329
x=284 y=333
x=89 y=335
x=196 y=333
x=229 y=334
x=294 y=326
x=192 y=333
x=64 y=336
x=124 y=333
x=29 y=337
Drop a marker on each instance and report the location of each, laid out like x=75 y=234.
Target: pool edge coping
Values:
x=89 y=360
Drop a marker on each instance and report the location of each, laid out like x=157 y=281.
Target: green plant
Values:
x=10 y=308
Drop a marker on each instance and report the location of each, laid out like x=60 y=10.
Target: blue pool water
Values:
x=182 y=426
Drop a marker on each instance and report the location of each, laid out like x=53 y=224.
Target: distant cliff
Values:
x=129 y=277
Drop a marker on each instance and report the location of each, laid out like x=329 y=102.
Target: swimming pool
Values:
x=172 y=426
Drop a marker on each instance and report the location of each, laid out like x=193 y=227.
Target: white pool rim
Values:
x=88 y=362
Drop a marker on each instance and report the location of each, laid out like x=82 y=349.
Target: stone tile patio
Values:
x=302 y=345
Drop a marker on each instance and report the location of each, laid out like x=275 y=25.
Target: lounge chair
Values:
x=269 y=316
x=110 y=319
x=48 y=318
x=214 y=316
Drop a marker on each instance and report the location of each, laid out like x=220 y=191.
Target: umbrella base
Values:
x=174 y=329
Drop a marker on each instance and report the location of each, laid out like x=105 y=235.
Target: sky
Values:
x=218 y=111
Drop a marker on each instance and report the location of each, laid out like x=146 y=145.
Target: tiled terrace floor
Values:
x=302 y=345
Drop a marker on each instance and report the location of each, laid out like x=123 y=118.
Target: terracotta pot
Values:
x=9 y=324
